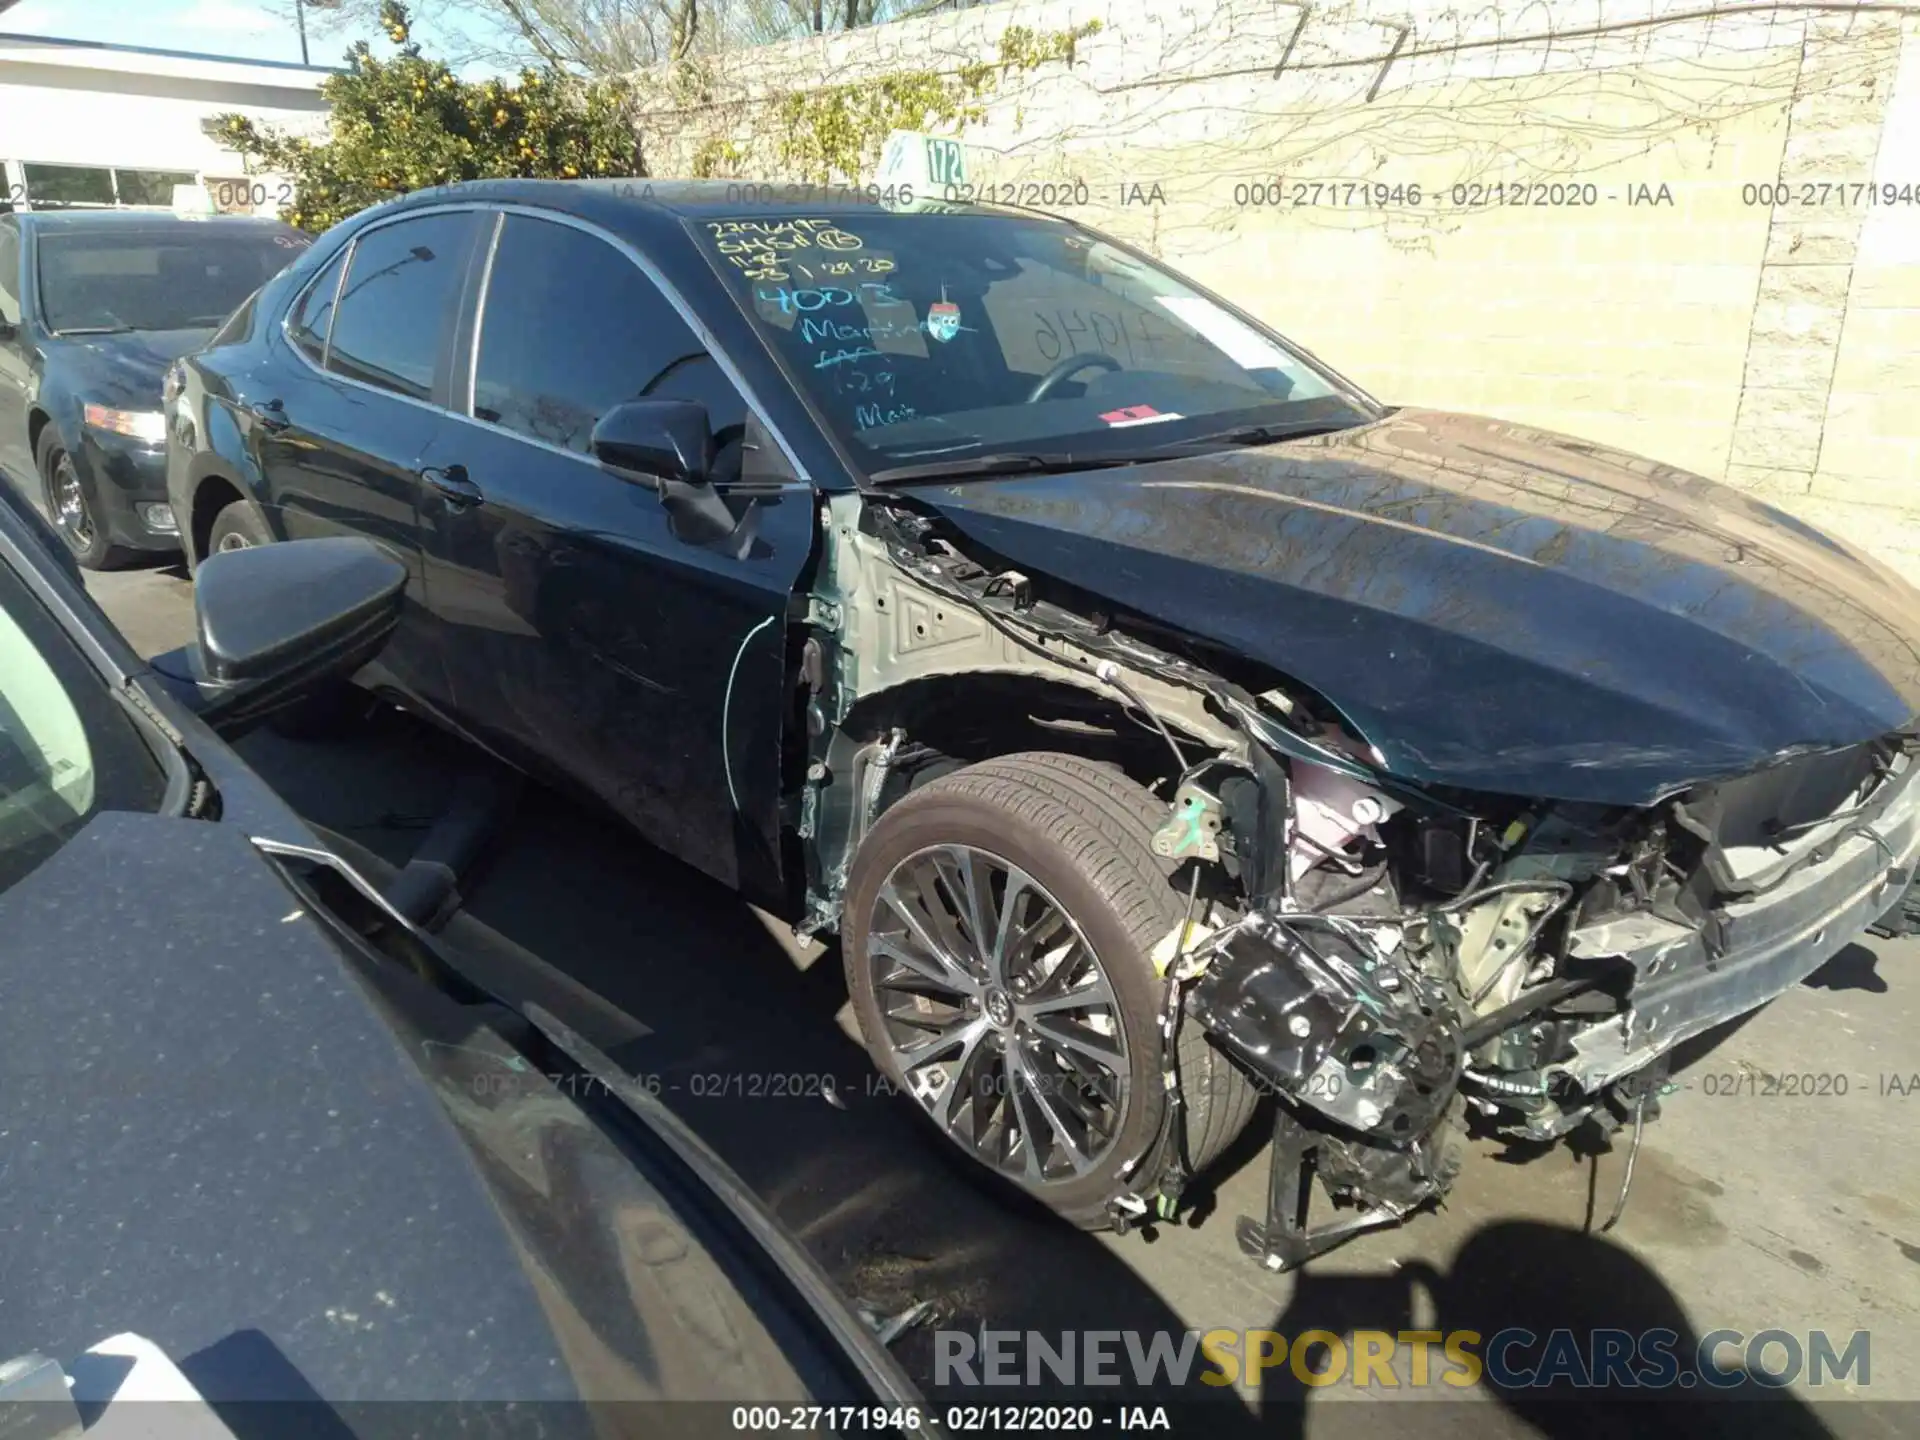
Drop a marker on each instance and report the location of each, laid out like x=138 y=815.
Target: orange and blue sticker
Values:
x=943 y=320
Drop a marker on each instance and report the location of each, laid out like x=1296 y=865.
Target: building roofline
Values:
x=11 y=37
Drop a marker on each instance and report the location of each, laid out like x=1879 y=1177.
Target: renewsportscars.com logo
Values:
x=1510 y=1359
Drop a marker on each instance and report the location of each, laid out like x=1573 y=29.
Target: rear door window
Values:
x=572 y=327
x=313 y=316
x=392 y=315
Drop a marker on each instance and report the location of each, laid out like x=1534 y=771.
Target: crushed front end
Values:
x=1397 y=961
x=1407 y=962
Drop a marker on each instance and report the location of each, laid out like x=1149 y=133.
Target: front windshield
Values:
x=182 y=278
x=925 y=337
x=66 y=751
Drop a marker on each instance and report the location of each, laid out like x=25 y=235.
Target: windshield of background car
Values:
x=185 y=278
x=921 y=337
x=67 y=751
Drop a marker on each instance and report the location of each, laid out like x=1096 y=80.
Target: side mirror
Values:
x=670 y=439
x=277 y=621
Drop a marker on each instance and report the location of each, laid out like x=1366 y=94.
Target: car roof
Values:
x=100 y=221
x=641 y=202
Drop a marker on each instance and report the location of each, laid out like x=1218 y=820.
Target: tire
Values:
x=238 y=526
x=73 y=506
x=1078 y=832
x=331 y=712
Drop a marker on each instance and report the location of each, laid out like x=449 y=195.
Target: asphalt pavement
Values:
x=1780 y=1189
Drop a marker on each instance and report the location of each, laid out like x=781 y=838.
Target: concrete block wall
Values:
x=1700 y=274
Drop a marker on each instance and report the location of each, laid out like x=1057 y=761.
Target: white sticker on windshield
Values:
x=1136 y=415
x=1240 y=342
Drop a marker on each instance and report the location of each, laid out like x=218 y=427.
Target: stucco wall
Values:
x=1667 y=297
x=69 y=103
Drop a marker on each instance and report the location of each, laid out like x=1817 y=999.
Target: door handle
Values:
x=453 y=485
x=270 y=415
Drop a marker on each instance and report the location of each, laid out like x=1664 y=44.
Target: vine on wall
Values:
x=834 y=133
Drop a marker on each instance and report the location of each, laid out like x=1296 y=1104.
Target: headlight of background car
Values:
x=147 y=425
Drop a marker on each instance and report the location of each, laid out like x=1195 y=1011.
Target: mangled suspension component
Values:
x=1365 y=1049
x=1334 y=1021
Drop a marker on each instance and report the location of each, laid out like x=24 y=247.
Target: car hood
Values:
x=1490 y=605
x=124 y=371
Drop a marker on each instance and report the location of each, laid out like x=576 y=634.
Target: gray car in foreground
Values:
x=261 y=1137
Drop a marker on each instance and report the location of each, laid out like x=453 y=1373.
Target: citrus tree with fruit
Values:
x=408 y=122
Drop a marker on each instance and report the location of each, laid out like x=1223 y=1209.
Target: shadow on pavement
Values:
x=1530 y=1280
x=1852 y=969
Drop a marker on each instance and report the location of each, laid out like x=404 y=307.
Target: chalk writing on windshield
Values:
x=829 y=357
x=843 y=328
x=769 y=249
x=1110 y=333
x=805 y=300
x=868 y=417
x=812 y=330
x=839 y=269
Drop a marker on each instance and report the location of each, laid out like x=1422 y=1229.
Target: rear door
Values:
x=360 y=400
x=592 y=641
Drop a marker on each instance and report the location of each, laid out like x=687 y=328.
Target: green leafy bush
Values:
x=409 y=122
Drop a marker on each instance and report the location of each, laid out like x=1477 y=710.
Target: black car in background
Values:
x=1154 y=714
x=253 y=1115
x=94 y=305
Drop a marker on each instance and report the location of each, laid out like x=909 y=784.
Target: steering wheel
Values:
x=1043 y=387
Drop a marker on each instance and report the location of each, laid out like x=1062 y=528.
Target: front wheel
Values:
x=238 y=526
x=999 y=924
x=73 y=506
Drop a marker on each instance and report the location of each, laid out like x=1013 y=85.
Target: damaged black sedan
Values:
x=1156 y=717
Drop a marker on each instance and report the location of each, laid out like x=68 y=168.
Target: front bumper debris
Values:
x=1376 y=1054
x=1768 y=943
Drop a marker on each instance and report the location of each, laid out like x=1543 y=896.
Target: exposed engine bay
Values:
x=1397 y=963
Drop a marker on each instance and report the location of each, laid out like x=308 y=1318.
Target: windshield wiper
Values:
x=1258 y=435
x=1058 y=461
x=1006 y=463
x=97 y=330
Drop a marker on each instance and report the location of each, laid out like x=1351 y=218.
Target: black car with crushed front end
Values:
x=1156 y=716
x=94 y=305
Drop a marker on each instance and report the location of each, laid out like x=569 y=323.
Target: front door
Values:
x=359 y=404
x=588 y=638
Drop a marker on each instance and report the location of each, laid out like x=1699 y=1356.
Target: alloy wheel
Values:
x=998 y=1015
x=70 y=513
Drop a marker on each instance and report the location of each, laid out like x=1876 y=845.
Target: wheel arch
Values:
x=988 y=712
x=39 y=417
x=894 y=739
x=213 y=488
